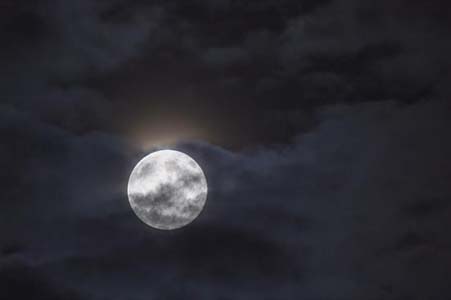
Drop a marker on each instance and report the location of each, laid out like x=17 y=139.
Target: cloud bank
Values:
x=355 y=208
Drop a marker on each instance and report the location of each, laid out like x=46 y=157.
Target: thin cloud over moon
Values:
x=167 y=189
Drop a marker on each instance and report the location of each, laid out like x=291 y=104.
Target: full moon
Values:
x=167 y=189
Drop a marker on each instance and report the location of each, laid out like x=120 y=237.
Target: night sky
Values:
x=322 y=126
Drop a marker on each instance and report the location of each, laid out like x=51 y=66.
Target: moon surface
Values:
x=167 y=189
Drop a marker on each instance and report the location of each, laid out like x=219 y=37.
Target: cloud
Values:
x=19 y=281
x=355 y=207
x=85 y=36
x=377 y=52
x=137 y=56
x=337 y=197
x=338 y=214
x=57 y=49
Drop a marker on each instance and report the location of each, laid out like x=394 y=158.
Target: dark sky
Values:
x=323 y=128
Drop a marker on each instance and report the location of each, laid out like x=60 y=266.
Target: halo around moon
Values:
x=167 y=189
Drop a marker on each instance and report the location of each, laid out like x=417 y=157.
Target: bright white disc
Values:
x=167 y=189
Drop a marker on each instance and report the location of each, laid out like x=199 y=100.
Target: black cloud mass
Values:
x=322 y=128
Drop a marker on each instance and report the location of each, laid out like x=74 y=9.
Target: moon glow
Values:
x=167 y=189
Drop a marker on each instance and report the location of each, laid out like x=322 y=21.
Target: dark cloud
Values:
x=339 y=188
x=19 y=281
x=52 y=49
x=224 y=65
x=237 y=60
x=333 y=216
